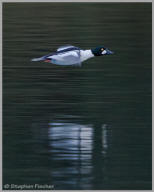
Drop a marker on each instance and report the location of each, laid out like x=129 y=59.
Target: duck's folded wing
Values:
x=67 y=48
x=60 y=50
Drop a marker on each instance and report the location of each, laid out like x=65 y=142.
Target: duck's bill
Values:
x=108 y=52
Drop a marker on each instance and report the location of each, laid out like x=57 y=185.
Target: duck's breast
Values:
x=85 y=54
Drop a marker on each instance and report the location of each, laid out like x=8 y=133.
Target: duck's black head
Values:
x=101 y=50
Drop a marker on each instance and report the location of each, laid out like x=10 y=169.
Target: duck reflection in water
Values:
x=79 y=151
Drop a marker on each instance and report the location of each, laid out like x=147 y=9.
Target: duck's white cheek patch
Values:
x=104 y=52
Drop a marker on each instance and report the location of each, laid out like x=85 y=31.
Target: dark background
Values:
x=83 y=127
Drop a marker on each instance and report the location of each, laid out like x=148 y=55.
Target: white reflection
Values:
x=70 y=140
x=77 y=151
x=71 y=143
x=105 y=138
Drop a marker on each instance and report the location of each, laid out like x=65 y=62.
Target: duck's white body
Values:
x=68 y=55
x=86 y=54
x=74 y=57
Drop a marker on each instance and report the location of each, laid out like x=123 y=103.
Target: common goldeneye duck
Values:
x=71 y=55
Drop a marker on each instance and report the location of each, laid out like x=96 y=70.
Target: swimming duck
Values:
x=71 y=55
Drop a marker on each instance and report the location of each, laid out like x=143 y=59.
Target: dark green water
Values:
x=83 y=127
